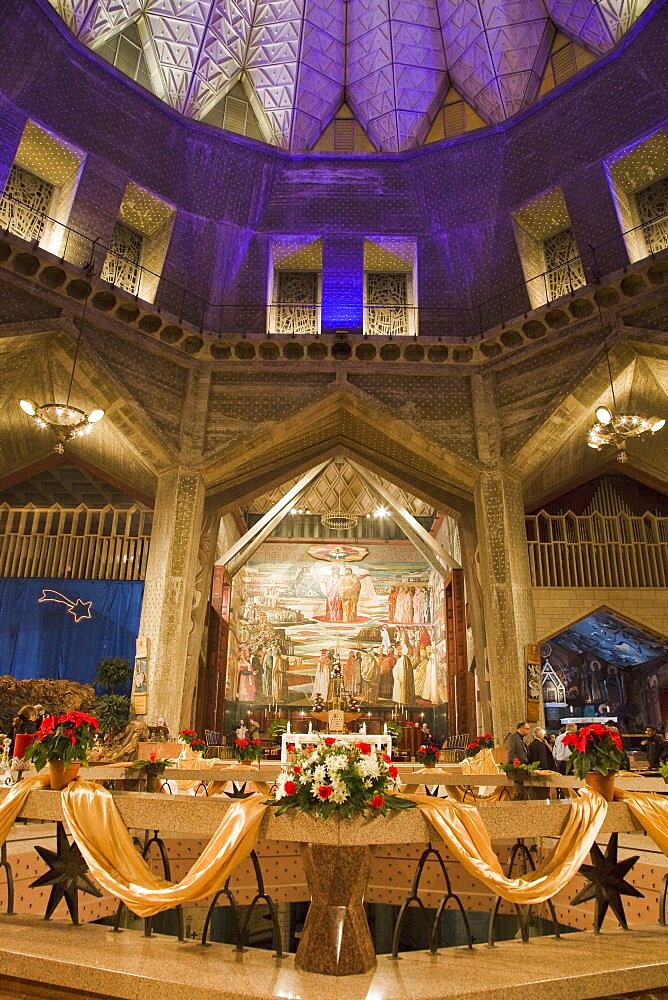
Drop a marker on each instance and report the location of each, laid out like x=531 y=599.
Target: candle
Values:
x=385 y=729
x=288 y=729
x=310 y=727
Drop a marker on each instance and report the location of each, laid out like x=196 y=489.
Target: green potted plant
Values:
x=276 y=729
x=395 y=730
x=113 y=708
x=518 y=772
x=62 y=742
x=664 y=771
x=191 y=739
x=152 y=769
x=597 y=754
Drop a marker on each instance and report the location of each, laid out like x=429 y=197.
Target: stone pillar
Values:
x=342 y=283
x=506 y=593
x=206 y=556
x=469 y=550
x=168 y=591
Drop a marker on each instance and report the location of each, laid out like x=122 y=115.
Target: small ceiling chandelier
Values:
x=615 y=428
x=341 y=520
x=62 y=418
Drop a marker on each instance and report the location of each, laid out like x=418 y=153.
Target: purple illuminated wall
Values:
x=455 y=199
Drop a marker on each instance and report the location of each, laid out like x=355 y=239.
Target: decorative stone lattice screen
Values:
x=25 y=203
x=121 y=266
x=386 y=304
x=297 y=310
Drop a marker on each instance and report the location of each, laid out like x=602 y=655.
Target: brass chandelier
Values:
x=63 y=419
x=613 y=428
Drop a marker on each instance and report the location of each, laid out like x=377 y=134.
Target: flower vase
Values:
x=154 y=771
x=61 y=774
x=604 y=785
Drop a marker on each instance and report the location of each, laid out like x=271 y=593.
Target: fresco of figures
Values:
x=296 y=620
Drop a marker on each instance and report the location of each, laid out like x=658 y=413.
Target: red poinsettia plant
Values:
x=190 y=737
x=428 y=754
x=594 y=748
x=248 y=750
x=485 y=742
x=63 y=738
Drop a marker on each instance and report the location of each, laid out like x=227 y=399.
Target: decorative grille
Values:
x=386 y=297
x=122 y=264
x=25 y=203
x=454 y=119
x=297 y=308
x=126 y=53
x=652 y=203
x=562 y=264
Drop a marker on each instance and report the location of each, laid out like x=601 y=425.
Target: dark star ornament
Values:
x=67 y=875
x=606 y=883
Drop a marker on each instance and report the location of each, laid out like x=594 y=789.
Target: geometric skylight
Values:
x=392 y=61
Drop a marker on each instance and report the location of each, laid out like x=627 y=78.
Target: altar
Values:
x=382 y=743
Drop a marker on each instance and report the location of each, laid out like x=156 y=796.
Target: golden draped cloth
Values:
x=651 y=811
x=115 y=864
x=465 y=835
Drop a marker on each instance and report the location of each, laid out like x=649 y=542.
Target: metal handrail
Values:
x=470 y=321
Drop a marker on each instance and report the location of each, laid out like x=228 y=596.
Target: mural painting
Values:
x=300 y=609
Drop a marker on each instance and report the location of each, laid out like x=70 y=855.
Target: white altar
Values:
x=382 y=743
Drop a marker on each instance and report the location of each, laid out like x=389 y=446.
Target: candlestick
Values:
x=288 y=728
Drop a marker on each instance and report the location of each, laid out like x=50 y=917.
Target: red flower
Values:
x=297 y=769
x=487 y=736
x=324 y=792
x=377 y=802
x=364 y=748
x=153 y=756
x=187 y=732
x=290 y=748
x=256 y=743
x=392 y=771
x=570 y=739
x=422 y=749
x=471 y=746
x=616 y=738
x=516 y=762
x=290 y=787
x=388 y=760
x=329 y=741
x=241 y=743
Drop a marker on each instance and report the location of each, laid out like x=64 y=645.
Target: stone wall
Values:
x=55 y=696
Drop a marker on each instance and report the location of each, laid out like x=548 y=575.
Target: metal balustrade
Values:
x=597 y=550
x=79 y=543
x=457 y=323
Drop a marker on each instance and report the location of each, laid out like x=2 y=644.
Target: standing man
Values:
x=515 y=745
x=653 y=745
x=560 y=752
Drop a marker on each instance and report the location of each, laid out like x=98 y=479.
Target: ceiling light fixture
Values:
x=62 y=418
x=341 y=520
x=611 y=426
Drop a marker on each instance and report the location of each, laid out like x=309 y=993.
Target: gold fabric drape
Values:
x=462 y=830
x=13 y=803
x=116 y=866
x=651 y=811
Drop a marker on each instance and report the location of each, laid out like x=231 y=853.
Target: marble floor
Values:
x=130 y=967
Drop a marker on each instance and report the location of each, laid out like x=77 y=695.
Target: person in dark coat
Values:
x=653 y=745
x=515 y=745
x=539 y=751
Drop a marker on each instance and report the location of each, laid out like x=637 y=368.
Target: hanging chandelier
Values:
x=63 y=419
x=613 y=428
x=341 y=520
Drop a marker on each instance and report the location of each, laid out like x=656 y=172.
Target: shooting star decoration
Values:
x=78 y=609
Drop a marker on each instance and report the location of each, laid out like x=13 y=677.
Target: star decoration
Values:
x=606 y=883
x=80 y=609
x=67 y=875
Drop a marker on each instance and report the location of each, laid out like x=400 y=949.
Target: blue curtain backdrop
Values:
x=44 y=640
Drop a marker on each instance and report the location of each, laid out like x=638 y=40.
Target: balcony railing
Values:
x=104 y=544
x=456 y=323
x=597 y=550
